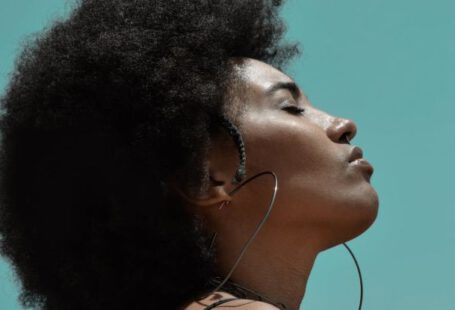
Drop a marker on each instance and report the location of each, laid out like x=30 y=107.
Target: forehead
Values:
x=259 y=76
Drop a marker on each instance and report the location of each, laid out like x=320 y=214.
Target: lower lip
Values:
x=364 y=165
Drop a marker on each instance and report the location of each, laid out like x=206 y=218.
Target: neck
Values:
x=276 y=269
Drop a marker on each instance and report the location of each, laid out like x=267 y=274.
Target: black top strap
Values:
x=219 y=303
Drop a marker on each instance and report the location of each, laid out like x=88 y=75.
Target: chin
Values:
x=365 y=214
x=354 y=220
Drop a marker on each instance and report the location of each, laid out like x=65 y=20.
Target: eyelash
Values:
x=294 y=109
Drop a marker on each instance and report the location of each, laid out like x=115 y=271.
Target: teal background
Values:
x=389 y=65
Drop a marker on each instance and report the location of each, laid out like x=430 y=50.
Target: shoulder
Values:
x=240 y=304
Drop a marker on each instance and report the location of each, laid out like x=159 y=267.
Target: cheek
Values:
x=284 y=143
x=298 y=151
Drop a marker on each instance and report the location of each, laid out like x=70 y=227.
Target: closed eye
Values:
x=293 y=109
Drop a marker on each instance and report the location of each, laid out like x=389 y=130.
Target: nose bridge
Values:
x=321 y=118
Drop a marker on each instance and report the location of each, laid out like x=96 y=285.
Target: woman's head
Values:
x=324 y=194
x=102 y=110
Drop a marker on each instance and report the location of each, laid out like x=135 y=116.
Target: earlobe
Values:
x=215 y=195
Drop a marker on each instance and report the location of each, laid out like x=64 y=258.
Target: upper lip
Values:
x=356 y=153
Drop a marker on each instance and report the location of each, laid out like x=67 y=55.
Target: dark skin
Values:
x=324 y=198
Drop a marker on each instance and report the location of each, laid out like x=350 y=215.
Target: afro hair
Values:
x=102 y=109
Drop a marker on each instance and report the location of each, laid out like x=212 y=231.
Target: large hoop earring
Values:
x=264 y=219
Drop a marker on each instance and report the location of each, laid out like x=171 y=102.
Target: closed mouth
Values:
x=356 y=159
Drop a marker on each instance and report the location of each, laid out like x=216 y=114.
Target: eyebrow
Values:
x=291 y=86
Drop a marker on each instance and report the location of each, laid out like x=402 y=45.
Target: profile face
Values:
x=322 y=190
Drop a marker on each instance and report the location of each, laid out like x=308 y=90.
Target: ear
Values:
x=222 y=164
x=216 y=192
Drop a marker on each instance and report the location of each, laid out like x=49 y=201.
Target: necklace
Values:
x=243 y=292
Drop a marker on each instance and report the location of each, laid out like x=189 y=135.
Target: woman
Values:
x=129 y=132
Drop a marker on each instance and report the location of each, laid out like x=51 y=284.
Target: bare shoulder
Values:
x=238 y=304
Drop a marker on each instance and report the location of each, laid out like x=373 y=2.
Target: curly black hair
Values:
x=102 y=110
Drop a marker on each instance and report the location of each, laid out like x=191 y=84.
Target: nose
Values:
x=341 y=130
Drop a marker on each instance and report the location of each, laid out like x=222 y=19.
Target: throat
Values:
x=277 y=279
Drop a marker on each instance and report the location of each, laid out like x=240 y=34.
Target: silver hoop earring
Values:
x=264 y=219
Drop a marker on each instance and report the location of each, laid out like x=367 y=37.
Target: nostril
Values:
x=345 y=137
